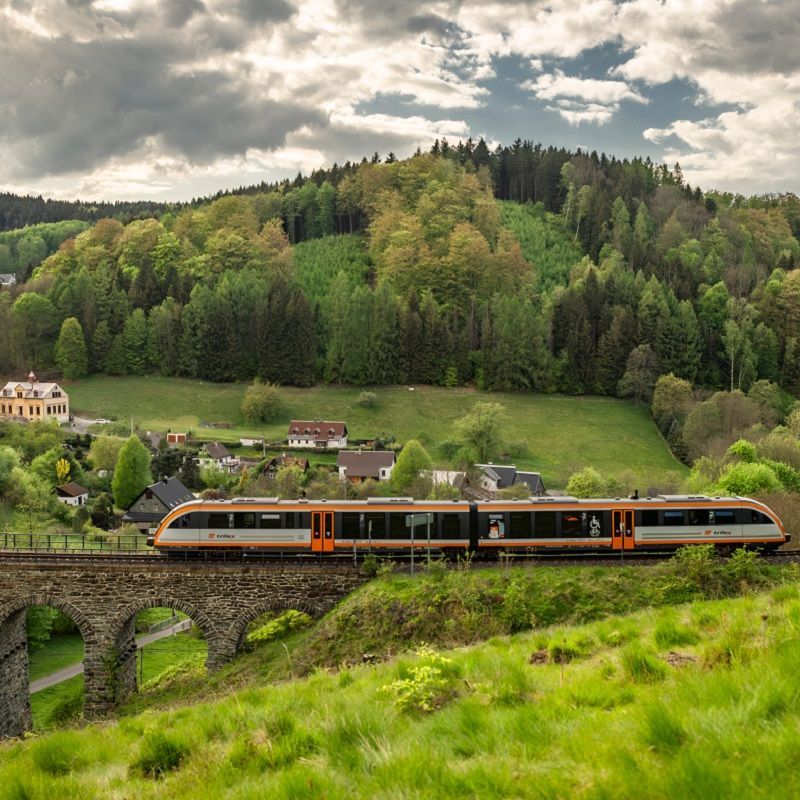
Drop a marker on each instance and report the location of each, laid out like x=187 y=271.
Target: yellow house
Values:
x=32 y=400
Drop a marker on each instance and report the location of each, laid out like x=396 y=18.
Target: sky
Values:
x=168 y=100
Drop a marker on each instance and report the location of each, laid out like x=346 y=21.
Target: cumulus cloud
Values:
x=582 y=99
x=133 y=97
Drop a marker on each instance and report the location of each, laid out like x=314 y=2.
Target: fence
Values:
x=75 y=543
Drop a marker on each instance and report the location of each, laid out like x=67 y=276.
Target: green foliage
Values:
x=71 y=354
x=744 y=565
x=411 y=463
x=480 y=431
x=132 y=472
x=39 y=623
x=748 y=479
x=590 y=483
x=367 y=399
x=104 y=452
x=743 y=450
x=59 y=754
x=642 y=666
x=278 y=628
x=262 y=402
x=160 y=752
x=425 y=685
x=671 y=633
x=319 y=261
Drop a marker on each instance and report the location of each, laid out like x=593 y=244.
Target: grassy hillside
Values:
x=695 y=701
x=553 y=434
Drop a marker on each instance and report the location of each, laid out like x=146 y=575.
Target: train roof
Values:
x=659 y=498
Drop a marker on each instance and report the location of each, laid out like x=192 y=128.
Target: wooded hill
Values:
x=611 y=274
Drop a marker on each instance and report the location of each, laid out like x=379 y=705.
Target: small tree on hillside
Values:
x=71 y=353
x=105 y=451
x=588 y=483
x=641 y=371
x=672 y=400
x=261 y=402
x=480 y=431
x=289 y=482
x=132 y=472
x=412 y=461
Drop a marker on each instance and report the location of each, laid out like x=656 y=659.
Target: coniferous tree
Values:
x=70 y=349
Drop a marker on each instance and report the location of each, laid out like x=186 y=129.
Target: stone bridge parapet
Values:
x=102 y=595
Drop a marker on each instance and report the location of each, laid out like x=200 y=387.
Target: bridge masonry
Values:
x=102 y=595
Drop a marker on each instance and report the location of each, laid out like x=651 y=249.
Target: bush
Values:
x=745 y=566
x=286 y=623
x=426 y=685
x=697 y=562
x=517 y=612
x=159 y=754
x=367 y=400
x=748 y=479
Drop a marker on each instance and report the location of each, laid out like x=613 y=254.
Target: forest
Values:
x=520 y=269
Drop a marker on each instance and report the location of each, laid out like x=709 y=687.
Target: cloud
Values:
x=185 y=92
x=582 y=99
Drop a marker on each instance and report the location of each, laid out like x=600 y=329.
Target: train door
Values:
x=322 y=531
x=622 y=535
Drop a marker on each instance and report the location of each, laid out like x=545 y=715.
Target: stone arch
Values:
x=235 y=637
x=85 y=627
x=197 y=616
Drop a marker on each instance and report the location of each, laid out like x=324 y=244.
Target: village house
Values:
x=214 y=454
x=283 y=460
x=255 y=441
x=317 y=433
x=72 y=494
x=152 y=505
x=494 y=477
x=176 y=439
x=31 y=400
x=357 y=465
x=8 y=279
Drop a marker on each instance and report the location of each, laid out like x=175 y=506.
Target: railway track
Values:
x=622 y=558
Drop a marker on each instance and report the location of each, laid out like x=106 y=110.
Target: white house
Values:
x=251 y=441
x=72 y=494
x=8 y=279
x=34 y=400
x=317 y=433
x=217 y=455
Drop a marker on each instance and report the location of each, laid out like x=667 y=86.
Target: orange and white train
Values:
x=386 y=525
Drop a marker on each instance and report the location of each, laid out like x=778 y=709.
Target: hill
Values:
x=552 y=434
x=692 y=701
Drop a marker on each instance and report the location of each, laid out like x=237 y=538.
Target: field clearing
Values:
x=553 y=434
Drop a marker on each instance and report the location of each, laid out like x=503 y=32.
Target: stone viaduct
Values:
x=103 y=594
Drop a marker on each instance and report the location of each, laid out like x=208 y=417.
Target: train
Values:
x=389 y=525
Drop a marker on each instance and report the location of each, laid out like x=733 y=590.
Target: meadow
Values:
x=553 y=434
x=693 y=701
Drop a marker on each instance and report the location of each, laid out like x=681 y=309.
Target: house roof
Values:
x=534 y=481
x=318 y=429
x=503 y=473
x=71 y=490
x=154 y=437
x=366 y=463
x=43 y=390
x=8 y=277
x=170 y=491
x=287 y=461
x=216 y=450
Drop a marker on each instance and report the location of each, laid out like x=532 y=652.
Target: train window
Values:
x=397 y=527
x=673 y=518
x=572 y=523
x=520 y=523
x=497 y=526
x=722 y=516
x=289 y=517
x=218 y=520
x=375 y=526
x=699 y=516
x=759 y=519
x=649 y=517
x=451 y=526
x=180 y=522
x=350 y=525
x=544 y=524
x=271 y=521
x=246 y=519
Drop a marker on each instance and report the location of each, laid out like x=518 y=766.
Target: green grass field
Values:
x=556 y=434
x=694 y=701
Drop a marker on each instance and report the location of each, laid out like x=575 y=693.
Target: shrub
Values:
x=159 y=754
x=286 y=623
x=516 y=612
x=426 y=685
x=748 y=479
x=367 y=400
x=696 y=562
x=744 y=565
